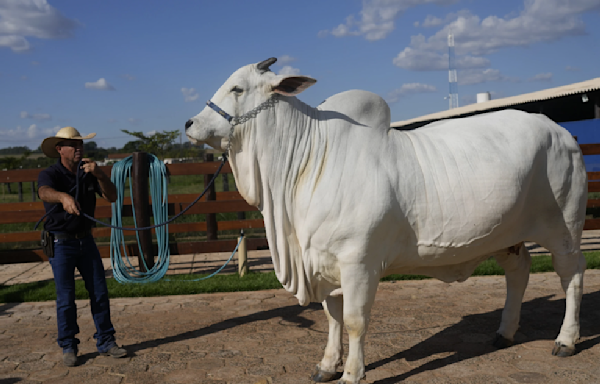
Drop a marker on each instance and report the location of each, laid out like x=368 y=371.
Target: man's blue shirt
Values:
x=61 y=179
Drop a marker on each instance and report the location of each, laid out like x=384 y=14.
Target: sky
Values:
x=150 y=65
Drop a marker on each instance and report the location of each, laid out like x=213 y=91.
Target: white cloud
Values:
x=27 y=134
x=571 y=69
x=285 y=59
x=539 y=21
x=377 y=18
x=20 y=19
x=409 y=89
x=35 y=116
x=151 y=133
x=287 y=70
x=478 y=76
x=189 y=94
x=432 y=21
x=100 y=84
x=32 y=131
x=542 y=77
x=134 y=121
x=128 y=77
x=424 y=60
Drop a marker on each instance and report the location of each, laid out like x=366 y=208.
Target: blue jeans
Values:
x=81 y=254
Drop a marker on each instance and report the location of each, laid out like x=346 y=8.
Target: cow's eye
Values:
x=237 y=90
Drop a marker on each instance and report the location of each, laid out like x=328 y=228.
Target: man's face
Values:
x=70 y=150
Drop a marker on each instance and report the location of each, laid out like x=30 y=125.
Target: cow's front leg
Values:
x=327 y=368
x=516 y=268
x=359 y=285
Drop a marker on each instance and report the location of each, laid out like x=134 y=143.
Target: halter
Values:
x=270 y=102
x=237 y=120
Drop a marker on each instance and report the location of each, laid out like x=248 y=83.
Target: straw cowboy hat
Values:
x=66 y=133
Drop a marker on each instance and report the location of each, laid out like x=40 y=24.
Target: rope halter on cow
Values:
x=237 y=120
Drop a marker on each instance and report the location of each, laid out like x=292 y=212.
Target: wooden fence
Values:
x=210 y=205
x=223 y=202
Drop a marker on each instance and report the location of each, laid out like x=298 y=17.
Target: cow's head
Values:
x=247 y=88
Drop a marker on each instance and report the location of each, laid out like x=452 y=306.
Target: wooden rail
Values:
x=228 y=201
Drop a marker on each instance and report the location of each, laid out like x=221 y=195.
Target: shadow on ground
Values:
x=541 y=319
x=291 y=314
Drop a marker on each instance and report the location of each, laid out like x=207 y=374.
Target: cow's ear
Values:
x=292 y=85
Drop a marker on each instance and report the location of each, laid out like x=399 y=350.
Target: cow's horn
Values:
x=264 y=65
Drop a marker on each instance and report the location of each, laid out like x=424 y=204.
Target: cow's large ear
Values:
x=292 y=85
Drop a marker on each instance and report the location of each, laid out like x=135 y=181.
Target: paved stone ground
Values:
x=421 y=332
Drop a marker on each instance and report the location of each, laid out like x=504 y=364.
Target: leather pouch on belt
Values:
x=48 y=244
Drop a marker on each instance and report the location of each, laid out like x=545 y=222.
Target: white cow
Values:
x=346 y=200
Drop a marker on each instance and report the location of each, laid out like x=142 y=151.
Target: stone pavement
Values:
x=420 y=332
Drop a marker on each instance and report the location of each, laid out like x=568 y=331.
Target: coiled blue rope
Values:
x=123 y=269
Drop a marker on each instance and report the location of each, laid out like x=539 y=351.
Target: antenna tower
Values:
x=452 y=77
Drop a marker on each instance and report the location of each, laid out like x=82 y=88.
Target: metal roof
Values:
x=546 y=94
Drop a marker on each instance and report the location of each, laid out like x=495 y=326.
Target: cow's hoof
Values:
x=502 y=342
x=562 y=350
x=321 y=376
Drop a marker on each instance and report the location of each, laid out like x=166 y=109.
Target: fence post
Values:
x=211 y=218
x=33 y=191
x=242 y=254
x=20 y=192
x=225 y=178
x=8 y=188
x=141 y=204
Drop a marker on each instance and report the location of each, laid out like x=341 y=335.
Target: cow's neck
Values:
x=267 y=150
x=266 y=161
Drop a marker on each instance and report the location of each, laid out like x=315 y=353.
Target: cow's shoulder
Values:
x=362 y=107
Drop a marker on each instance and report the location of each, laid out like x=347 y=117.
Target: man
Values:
x=72 y=240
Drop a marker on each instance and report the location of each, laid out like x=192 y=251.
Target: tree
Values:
x=132 y=146
x=157 y=144
x=90 y=146
x=12 y=162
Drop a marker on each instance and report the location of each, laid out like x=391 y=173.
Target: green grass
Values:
x=183 y=284
x=170 y=285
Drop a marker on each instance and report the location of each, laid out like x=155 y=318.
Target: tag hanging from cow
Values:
x=347 y=200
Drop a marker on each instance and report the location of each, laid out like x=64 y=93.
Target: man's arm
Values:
x=51 y=195
x=109 y=191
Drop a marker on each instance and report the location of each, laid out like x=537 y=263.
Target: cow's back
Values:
x=488 y=179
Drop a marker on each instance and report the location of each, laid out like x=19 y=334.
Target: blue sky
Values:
x=103 y=66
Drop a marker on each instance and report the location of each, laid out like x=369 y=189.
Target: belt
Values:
x=72 y=235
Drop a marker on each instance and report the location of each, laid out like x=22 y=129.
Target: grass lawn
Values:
x=183 y=284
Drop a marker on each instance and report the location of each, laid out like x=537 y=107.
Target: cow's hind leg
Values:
x=516 y=267
x=327 y=369
x=570 y=268
x=359 y=285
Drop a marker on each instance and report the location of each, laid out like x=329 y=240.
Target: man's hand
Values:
x=90 y=166
x=69 y=204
